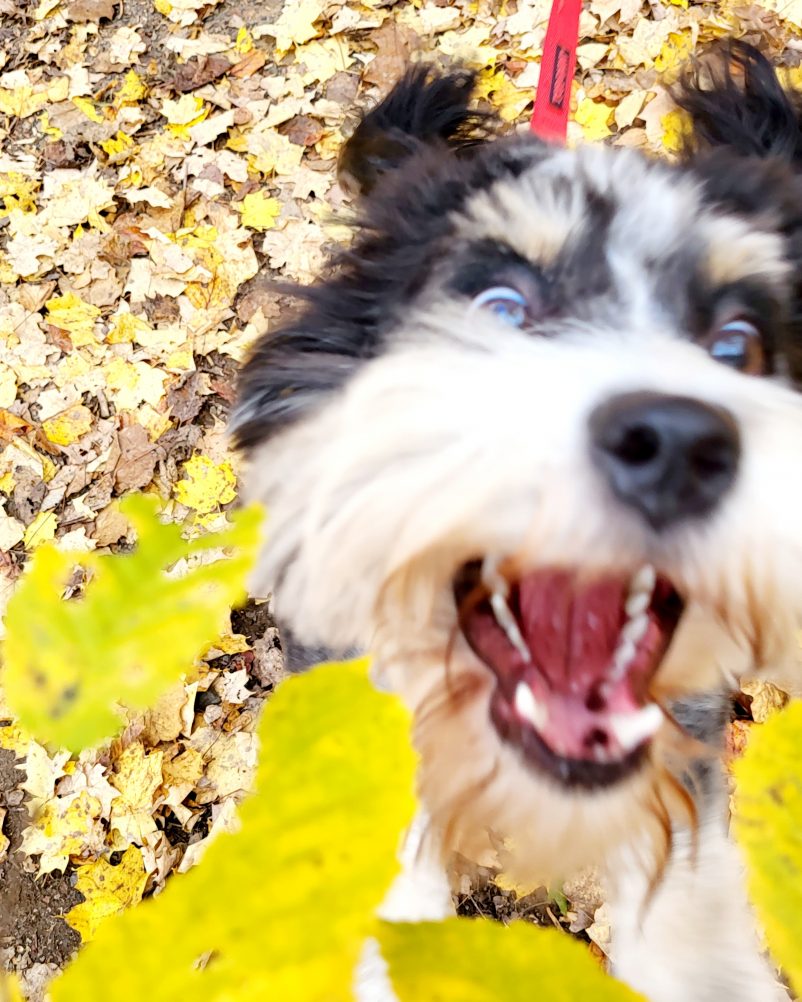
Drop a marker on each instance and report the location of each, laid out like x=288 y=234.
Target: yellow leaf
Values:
x=41 y=530
x=107 y=890
x=70 y=313
x=334 y=789
x=768 y=824
x=675 y=129
x=163 y=6
x=182 y=114
x=207 y=485
x=138 y=776
x=87 y=107
x=504 y=95
x=271 y=152
x=232 y=643
x=69 y=426
x=132 y=90
x=244 y=43
x=676 y=51
x=323 y=59
x=118 y=146
x=47 y=129
x=480 y=961
x=594 y=117
x=68 y=664
x=133 y=383
x=297 y=24
x=126 y=327
x=10 y=988
x=18 y=192
x=65 y=828
x=259 y=211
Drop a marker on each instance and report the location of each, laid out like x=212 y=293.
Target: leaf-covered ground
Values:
x=161 y=161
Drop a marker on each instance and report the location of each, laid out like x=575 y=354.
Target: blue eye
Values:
x=738 y=344
x=507 y=304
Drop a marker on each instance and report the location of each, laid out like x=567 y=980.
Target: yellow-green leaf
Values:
x=478 y=961
x=131 y=635
x=768 y=825
x=281 y=909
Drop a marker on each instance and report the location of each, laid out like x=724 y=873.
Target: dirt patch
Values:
x=35 y=940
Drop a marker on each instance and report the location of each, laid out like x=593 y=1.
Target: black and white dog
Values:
x=534 y=441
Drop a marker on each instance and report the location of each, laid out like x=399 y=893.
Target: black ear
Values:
x=735 y=101
x=424 y=109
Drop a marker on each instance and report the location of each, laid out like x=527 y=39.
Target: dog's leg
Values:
x=692 y=938
x=420 y=893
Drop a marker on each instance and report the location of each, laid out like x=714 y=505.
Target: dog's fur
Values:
x=396 y=434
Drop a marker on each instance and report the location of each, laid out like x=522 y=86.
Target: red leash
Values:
x=553 y=98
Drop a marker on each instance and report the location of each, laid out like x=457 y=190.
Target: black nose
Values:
x=667 y=457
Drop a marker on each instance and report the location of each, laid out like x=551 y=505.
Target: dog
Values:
x=531 y=440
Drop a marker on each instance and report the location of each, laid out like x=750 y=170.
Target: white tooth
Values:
x=632 y=729
x=637 y=603
x=643 y=580
x=624 y=653
x=506 y=621
x=529 y=708
x=635 y=630
x=492 y=577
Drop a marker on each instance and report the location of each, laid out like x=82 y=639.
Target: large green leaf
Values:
x=282 y=908
x=131 y=635
x=479 y=961
x=768 y=825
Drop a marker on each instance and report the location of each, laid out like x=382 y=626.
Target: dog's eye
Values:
x=506 y=303
x=738 y=344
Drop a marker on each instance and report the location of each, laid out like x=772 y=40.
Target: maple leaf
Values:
x=296 y=24
x=70 y=313
x=259 y=211
x=65 y=828
x=107 y=890
x=132 y=633
x=138 y=776
x=207 y=485
x=68 y=426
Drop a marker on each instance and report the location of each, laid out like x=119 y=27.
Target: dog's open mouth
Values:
x=573 y=658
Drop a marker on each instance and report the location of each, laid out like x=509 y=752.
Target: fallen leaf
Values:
x=107 y=891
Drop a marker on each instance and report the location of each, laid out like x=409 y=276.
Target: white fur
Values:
x=694 y=939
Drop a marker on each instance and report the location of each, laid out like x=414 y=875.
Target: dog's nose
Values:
x=668 y=457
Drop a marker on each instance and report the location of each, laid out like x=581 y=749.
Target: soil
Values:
x=34 y=938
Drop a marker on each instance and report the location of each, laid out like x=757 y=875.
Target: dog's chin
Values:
x=573 y=658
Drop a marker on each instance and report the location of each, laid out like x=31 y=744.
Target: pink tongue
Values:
x=572 y=629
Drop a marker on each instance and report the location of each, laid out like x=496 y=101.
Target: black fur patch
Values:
x=735 y=101
x=424 y=109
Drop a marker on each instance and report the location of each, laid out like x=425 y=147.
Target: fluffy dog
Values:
x=531 y=440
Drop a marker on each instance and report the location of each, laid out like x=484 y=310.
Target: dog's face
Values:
x=534 y=445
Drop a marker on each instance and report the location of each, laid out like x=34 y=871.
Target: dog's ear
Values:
x=736 y=102
x=424 y=109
